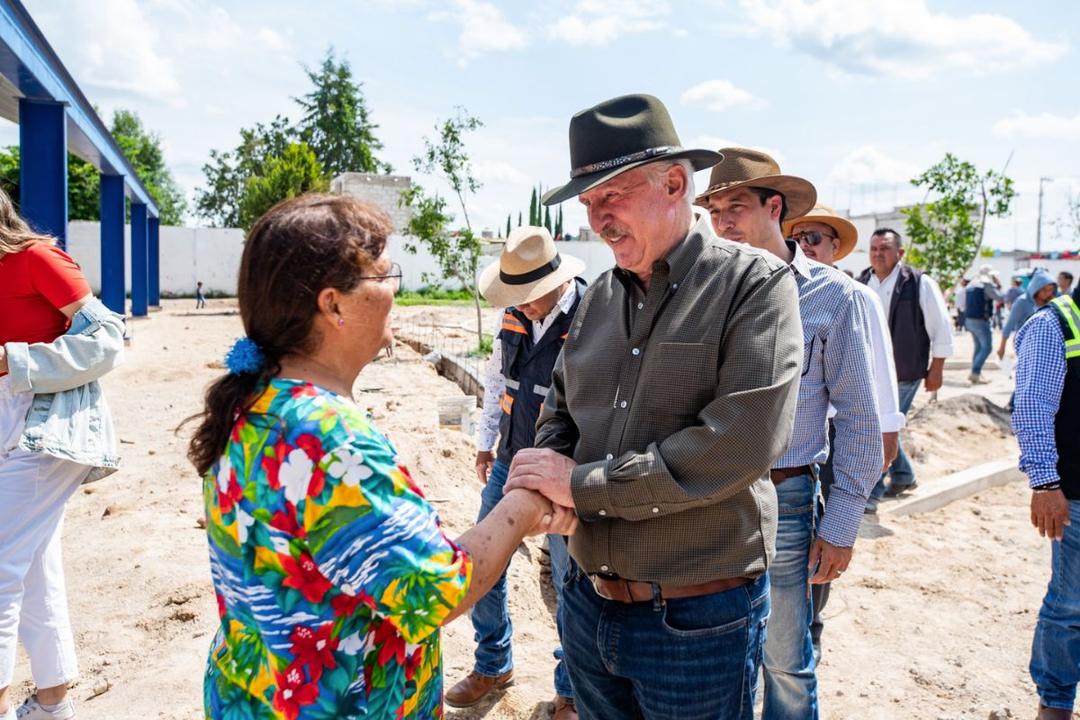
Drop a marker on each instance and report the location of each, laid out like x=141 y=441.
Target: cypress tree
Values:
x=533 y=214
x=547 y=219
x=507 y=224
x=519 y=218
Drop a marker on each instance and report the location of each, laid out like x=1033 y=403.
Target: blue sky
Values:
x=855 y=95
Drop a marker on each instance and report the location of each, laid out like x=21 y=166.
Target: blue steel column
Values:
x=154 y=262
x=138 y=260
x=112 y=242
x=43 y=181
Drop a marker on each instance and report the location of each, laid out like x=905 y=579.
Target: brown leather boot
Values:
x=564 y=709
x=1046 y=713
x=474 y=687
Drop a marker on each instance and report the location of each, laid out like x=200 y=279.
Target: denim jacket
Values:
x=69 y=417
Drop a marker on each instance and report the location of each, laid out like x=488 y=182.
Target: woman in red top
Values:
x=41 y=290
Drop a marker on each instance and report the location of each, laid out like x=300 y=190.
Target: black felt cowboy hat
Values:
x=619 y=135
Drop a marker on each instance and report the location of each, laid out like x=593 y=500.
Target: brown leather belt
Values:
x=632 y=591
x=779 y=475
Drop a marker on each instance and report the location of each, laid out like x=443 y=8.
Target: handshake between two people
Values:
x=546 y=475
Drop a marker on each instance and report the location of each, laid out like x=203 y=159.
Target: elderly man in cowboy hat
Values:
x=540 y=290
x=827 y=237
x=748 y=200
x=673 y=397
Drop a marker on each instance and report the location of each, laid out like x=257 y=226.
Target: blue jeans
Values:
x=984 y=339
x=903 y=475
x=682 y=659
x=1055 y=652
x=790 y=683
x=491 y=617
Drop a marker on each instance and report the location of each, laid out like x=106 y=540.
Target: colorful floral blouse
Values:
x=331 y=571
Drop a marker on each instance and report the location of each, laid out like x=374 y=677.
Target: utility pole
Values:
x=1038 y=230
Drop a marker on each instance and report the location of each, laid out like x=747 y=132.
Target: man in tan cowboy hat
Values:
x=748 y=200
x=827 y=237
x=673 y=397
x=540 y=291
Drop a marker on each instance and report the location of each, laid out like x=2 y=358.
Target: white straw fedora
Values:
x=529 y=267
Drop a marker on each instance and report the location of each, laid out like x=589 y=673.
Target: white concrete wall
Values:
x=187 y=256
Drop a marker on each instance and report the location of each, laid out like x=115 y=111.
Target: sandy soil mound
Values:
x=950 y=435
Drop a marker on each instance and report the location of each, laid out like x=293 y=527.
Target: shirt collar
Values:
x=800 y=264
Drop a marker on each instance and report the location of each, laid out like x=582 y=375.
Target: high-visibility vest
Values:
x=1067 y=420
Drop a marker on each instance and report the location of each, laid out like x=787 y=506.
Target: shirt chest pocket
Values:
x=813 y=370
x=674 y=379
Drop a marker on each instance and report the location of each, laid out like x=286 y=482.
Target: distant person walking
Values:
x=1015 y=291
x=56 y=340
x=1041 y=289
x=1047 y=425
x=200 y=297
x=981 y=295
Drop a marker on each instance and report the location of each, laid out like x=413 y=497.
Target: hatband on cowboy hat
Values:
x=844 y=228
x=529 y=267
x=743 y=167
x=619 y=135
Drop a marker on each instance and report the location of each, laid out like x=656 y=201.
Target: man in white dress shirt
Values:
x=921 y=335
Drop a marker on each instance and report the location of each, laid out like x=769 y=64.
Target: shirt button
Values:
x=604 y=568
x=609 y=456
x=622 y=404
x=602 y=513
x=656 y=510
x=675 y=286
x=640 y=305
x=635 y=351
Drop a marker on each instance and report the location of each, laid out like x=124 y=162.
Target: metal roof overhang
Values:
x=29 y=68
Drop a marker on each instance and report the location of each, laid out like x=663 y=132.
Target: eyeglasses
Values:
x=812 y=238
x=394 y=276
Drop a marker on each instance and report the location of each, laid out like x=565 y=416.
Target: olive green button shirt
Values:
x=675 y=403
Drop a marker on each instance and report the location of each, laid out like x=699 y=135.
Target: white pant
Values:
x=33 y=600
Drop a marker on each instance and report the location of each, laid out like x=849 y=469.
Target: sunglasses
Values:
x=812 y=238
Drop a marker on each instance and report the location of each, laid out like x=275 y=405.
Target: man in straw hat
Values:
x=826 y=237
x=748 y=199
x=540 y=290
x=921 y=335
x=673 y=397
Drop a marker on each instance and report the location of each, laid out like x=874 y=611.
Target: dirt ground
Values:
x=933 y=620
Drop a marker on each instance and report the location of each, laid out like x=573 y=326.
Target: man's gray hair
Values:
x=660 y=171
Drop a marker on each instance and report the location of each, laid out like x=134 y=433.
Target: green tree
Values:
x=945 y=234
x=519 y=218
x=227 y=172
x=547 y=219
x=533 y=209
x=457 y=252
x=295 y=171
x=142 y=149
x=336 y=122
x=507 y=224
x=559 y=224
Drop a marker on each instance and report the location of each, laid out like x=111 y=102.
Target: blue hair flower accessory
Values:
x=244 y=356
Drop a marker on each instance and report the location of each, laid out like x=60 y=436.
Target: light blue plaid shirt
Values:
x=837 y=369
x=1040 y=376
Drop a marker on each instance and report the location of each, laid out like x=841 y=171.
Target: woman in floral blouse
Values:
x=332 y=573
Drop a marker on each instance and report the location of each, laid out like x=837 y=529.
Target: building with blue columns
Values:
x=55 y=118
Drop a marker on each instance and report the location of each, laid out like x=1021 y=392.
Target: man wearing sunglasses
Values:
x=827 y=238
x=748 y=199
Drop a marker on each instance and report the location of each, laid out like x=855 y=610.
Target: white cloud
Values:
x=900 y=38
x=1044 y=126
x=483 y=29
x=720 y=95
x=869 y=165
x=500 y=172
x=117 y=51
x=601 y=22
